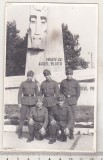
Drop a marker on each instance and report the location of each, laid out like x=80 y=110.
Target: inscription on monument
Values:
x=51 y=62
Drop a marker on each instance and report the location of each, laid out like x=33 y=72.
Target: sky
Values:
x=82 y=19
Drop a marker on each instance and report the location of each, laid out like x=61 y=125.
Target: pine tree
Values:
x=12 y=40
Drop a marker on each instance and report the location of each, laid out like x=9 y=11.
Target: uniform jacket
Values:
x=63 y=115
x=39 y=115
x=71 y=90
x=27 y=88
x=49 y=89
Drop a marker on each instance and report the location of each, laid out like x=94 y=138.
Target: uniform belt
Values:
x=58 y=120
x=68 y=96
x=48 y=96
x=38 y=121
x=29 y=95
x=30 y=105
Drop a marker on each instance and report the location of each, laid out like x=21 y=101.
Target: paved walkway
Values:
x=80 y=143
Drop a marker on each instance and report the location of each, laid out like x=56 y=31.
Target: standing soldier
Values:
x=70 y=88
x=49 y=89
x=61 y=120
x=26 y=99
x=38 y=121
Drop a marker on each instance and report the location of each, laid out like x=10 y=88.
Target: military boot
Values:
x=52 y=140
x=20 y=134
x=39 y=137
x=31 y=138
x=64 y=138
x=71 y=136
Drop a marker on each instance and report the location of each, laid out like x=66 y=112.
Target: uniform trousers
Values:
x=73 y=108
x=54 y=128
x=34 y=130
x=24 y=112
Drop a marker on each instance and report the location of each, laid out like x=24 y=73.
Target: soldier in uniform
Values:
x=26 y=99
x=70 y=88
x=49 y=89
x=61 y=120
x=38 y=121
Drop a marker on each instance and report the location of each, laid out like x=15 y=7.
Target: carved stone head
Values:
x=37 y=28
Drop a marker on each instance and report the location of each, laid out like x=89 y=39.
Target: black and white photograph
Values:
x=50 y=79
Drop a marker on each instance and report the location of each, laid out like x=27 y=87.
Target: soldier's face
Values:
x=39 y=104
x=29 y=78
x=47 y=77
x=60 y=103
x=69 y=76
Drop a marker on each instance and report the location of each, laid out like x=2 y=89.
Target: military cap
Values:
x=60 y=97
x=39 y=98
x=46 y=72
x=30 y=73
x=69 y=72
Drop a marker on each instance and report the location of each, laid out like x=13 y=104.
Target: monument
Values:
x=45 y=42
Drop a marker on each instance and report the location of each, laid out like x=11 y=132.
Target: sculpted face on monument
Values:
x=37 y=28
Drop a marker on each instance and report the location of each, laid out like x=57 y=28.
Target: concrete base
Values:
x=80 y=143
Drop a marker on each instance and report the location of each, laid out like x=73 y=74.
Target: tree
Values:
x=20 y=56
x=12 y=40
x=72 y=50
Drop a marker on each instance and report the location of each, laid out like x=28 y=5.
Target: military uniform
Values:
x=26 y=97
x=70 y=88
x=40 y=119
x=64 y=119
x=49 y=89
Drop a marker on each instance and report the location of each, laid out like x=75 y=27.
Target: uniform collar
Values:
x=37 y=108
x=60 y=106
x=49 y=80
x=29 y=81
x=69 y=79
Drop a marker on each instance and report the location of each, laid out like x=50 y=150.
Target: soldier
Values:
x=26 y=99
x=70 y=88
x=49 y=89
x=38 y=121
x=61 y=120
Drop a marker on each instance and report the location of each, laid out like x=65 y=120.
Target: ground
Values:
x=84 y=132
x=80 y=143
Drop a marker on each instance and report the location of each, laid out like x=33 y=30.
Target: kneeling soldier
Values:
x=38 y=121
x=61 y=120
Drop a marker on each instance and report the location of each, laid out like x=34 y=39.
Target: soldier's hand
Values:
x=31 y=122
x=53 y=122
x=42 y=131
x=66 y=131
x=19 y=105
